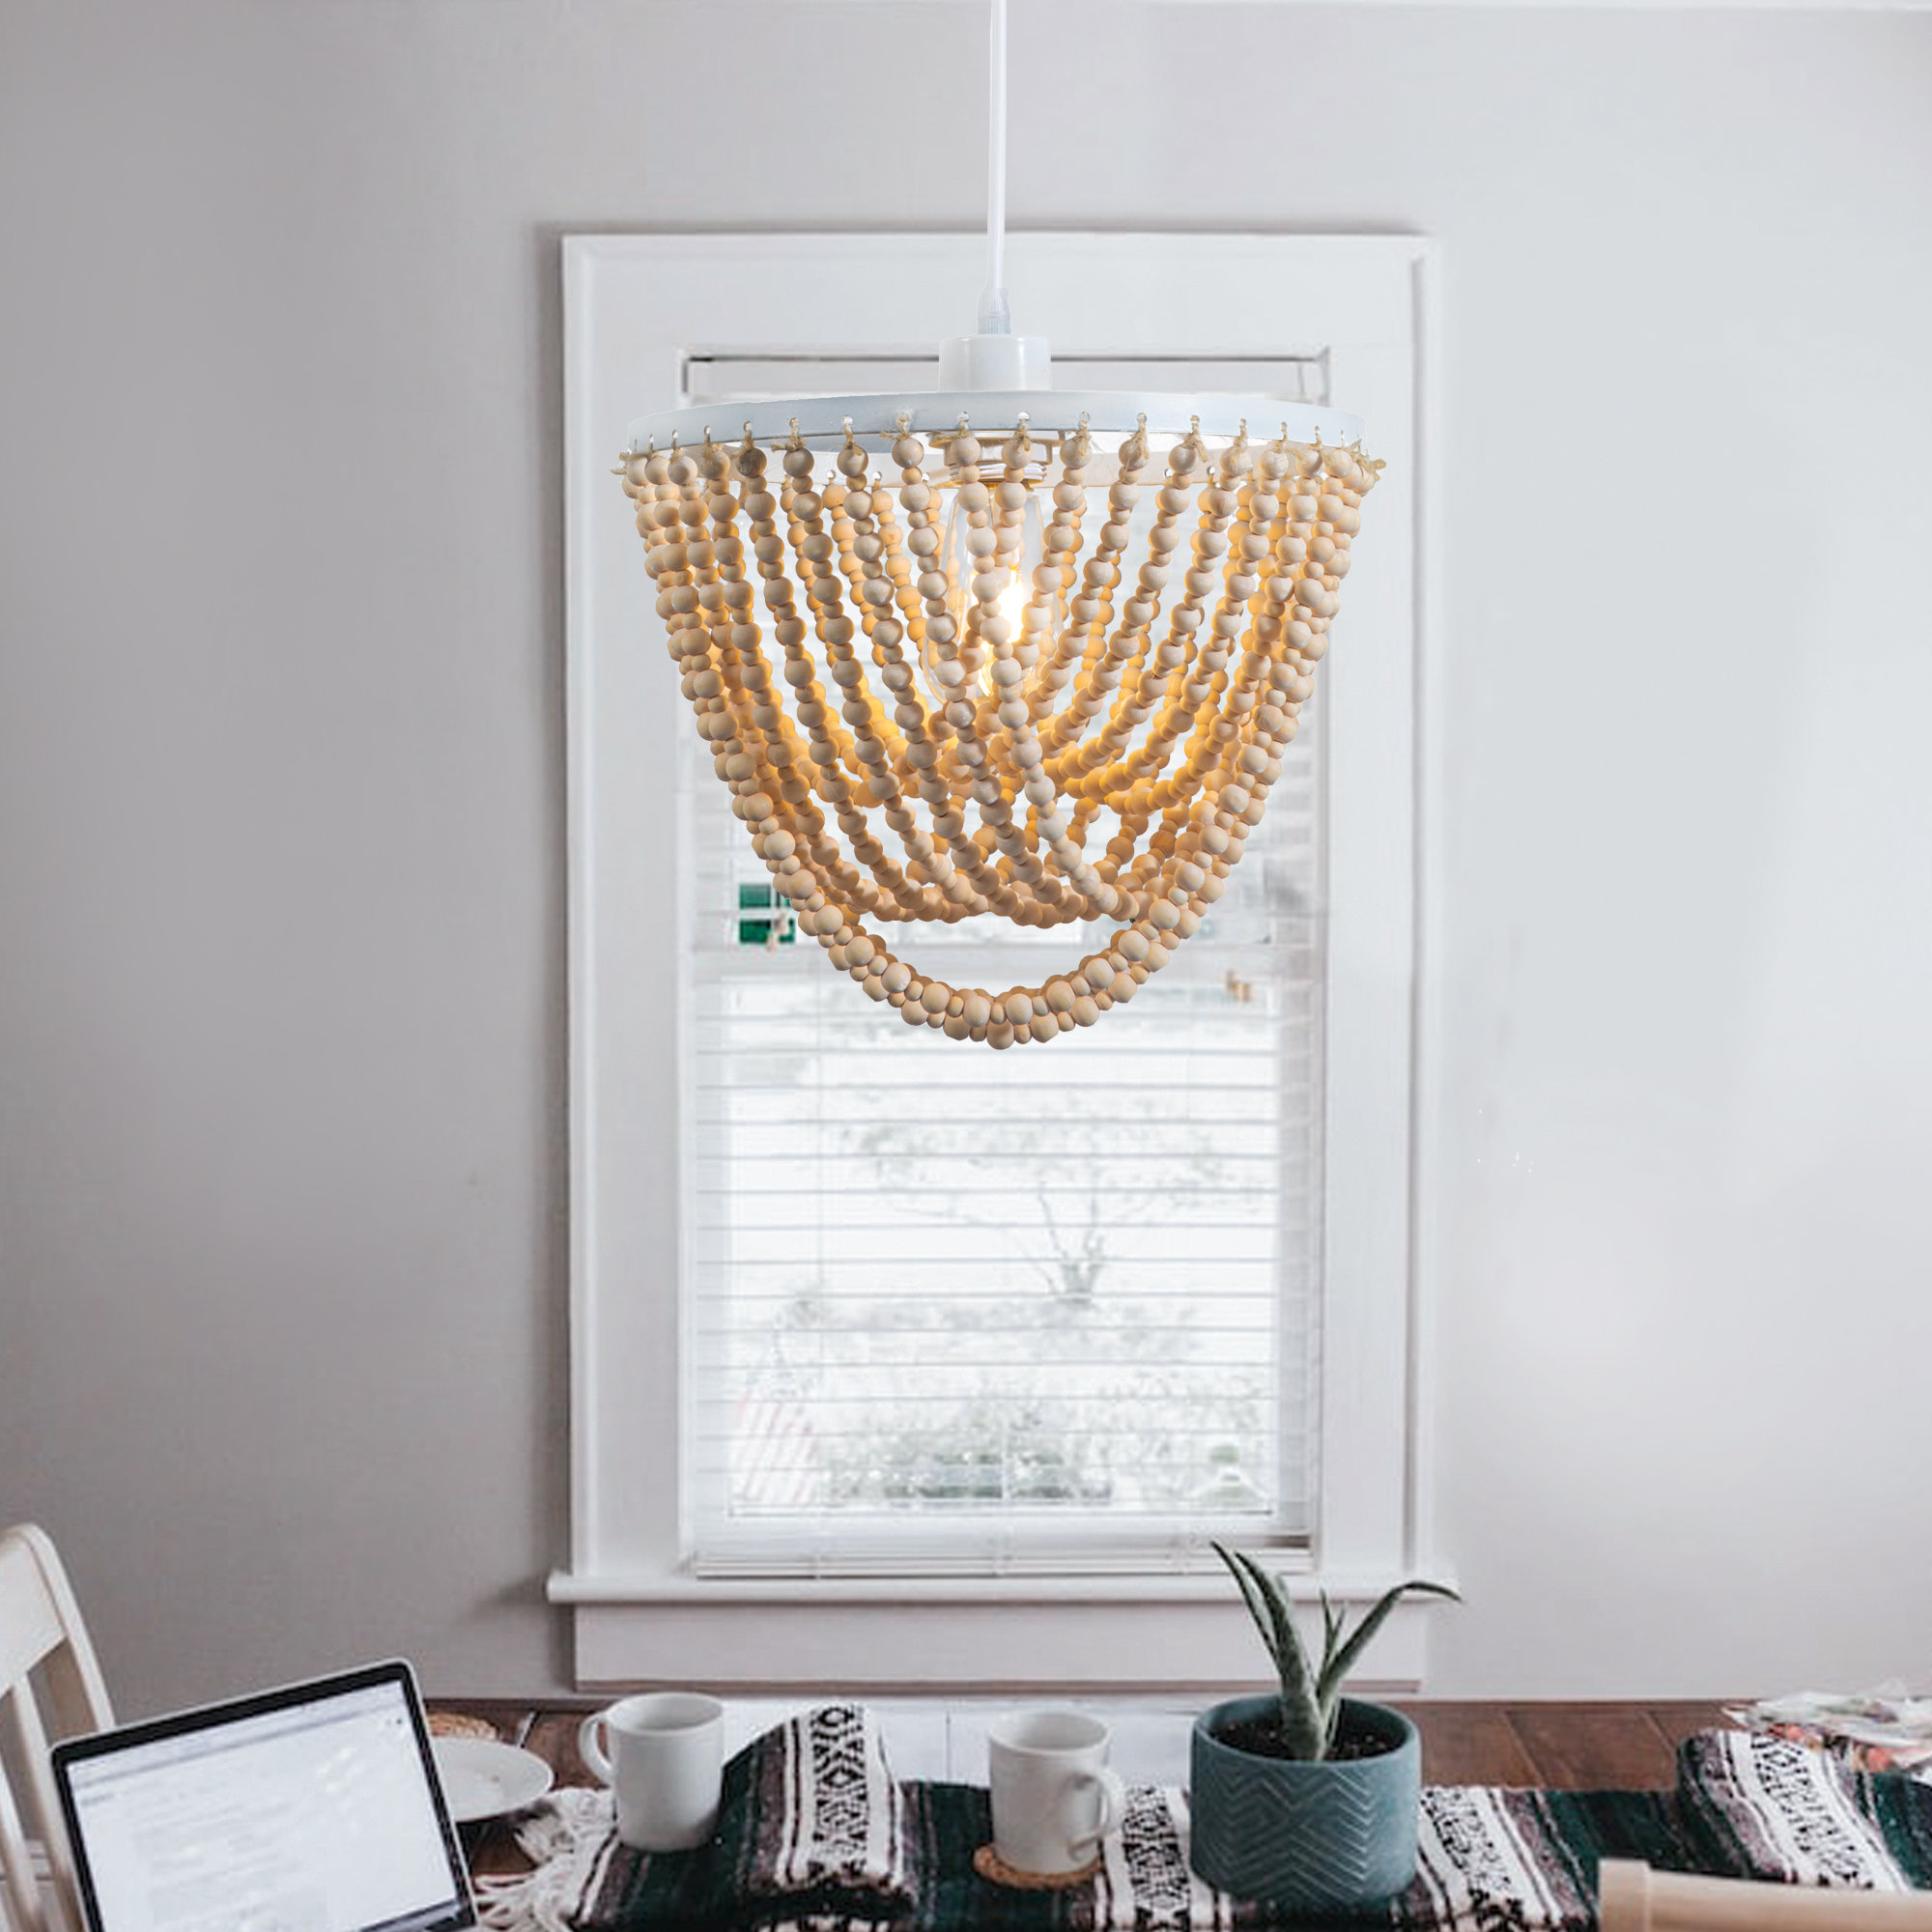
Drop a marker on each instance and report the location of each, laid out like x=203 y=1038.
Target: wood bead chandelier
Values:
x=1065 y=671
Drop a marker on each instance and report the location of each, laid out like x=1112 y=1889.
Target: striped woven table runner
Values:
x=815 y=1833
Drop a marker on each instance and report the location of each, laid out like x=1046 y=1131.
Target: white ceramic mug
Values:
x=665 y=1761
x=1054 y=1799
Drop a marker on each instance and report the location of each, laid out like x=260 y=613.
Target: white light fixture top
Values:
x=993 y=379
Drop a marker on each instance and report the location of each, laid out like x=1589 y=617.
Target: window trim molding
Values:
x=634 y=306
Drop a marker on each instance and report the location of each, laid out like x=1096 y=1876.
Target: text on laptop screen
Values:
x=314 y=1818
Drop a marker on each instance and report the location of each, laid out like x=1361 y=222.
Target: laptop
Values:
x=312 y=1808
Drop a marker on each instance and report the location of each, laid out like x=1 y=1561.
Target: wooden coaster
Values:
x=995 y=1870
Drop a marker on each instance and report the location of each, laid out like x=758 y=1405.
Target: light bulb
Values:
x=961 y=565
x=1012 y=600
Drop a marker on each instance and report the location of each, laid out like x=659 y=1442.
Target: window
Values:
x=949 y=1312
x=1168 y=1290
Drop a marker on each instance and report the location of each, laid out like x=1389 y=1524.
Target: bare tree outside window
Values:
x=1052 y=1374
x=1067 y=1287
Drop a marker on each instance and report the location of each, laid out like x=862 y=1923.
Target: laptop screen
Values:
x=315 y=1809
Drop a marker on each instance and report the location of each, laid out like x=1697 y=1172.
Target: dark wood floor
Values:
x=1568 y=1746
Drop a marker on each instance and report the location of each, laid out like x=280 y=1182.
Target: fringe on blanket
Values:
x=568 y=1838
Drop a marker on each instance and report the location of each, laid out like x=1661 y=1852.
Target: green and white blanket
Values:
x=814 y=1832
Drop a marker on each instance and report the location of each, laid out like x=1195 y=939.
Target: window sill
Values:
x=957 y=1635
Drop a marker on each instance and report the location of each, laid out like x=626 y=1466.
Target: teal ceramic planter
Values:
x=1329 y=1835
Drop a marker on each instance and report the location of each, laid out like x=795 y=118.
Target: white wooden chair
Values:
x=50 y=1688
x=1632 y=1898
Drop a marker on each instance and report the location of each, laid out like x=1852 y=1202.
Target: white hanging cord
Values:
x=995 y=312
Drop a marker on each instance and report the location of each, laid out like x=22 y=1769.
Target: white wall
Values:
x=281 y=1075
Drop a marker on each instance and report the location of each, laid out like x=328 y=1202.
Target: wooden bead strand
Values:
x=1222 y=719
x=869 y=753
x=980 y=774
x=1003 y=717
x=814 y=553
x=840 y=884
x=1117 y=671
x=964 y=879
x=879 y=747
x=1212 y=838
x=899 y=563
x=911 y=753
x=1088 y=896
x=1179 y=652
x=1201 y=679
x=1091 y=612
x=1057 y=642
x=789 y=849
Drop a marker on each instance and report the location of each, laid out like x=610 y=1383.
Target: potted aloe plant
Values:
x=1303 y=1796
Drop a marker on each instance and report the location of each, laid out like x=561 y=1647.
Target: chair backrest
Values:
x=1634 y=1899
x=50 y=1688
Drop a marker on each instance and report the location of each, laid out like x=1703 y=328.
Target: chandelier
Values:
x=1071 y=635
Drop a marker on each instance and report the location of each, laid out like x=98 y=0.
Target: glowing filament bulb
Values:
x=962 y=559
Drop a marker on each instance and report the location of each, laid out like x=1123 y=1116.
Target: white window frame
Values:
x=634 y=309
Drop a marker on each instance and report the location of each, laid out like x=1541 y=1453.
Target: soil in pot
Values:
x=1265 y=1736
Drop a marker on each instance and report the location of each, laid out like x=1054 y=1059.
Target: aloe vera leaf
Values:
x=1306 y=1727
x=1300 y=1701
x=1338 y=1668
x=1268 y=1605
x=1331 y=1634
x=1255 y=1598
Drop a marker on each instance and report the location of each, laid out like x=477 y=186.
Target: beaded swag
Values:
x=1076 y=704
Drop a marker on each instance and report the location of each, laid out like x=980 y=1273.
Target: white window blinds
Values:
x=1050 y=1309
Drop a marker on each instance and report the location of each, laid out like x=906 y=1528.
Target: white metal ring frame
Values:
x=1050 y=414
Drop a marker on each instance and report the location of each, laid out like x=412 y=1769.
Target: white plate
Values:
x=484 y=1779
